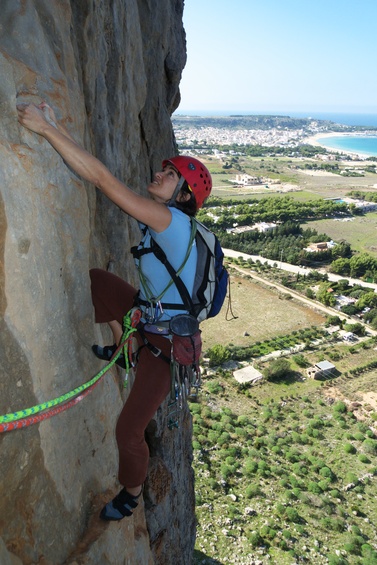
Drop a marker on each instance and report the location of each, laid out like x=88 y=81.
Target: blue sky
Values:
x=280 y=55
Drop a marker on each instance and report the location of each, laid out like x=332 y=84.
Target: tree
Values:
x=277 y=369
x=361 y=263
x=333 y=321
x=310 y=293
x=343 y=284
x=367 y=299
x=341 y=266
x=343 y=249
x=357 y=328
x=349 y=309
x=325 y=295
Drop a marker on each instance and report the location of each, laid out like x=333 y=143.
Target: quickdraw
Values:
x=28 y=416
x=185 y=384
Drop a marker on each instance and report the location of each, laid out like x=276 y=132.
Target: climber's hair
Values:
x=189 y=206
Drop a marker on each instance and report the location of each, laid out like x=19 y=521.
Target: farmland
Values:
x=251 y=303
x=360 y=232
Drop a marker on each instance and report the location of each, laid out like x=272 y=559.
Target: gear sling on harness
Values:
x=182 y=330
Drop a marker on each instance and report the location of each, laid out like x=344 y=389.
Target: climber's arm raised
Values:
x=152 y=212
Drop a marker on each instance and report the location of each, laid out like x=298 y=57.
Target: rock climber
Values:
x=174 y=194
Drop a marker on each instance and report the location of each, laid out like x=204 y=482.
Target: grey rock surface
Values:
x=111 y=71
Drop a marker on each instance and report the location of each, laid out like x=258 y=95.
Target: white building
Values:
x=263 y=227
x=321 y=370
x=246 y=180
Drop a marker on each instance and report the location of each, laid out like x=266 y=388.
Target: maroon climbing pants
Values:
x=112 y=299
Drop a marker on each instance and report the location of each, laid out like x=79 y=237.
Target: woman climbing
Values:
x=175 y=194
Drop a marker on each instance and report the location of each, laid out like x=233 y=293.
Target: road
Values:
x=293 y=268
x=296 y=268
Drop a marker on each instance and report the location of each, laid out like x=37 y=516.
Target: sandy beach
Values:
x=313 y=140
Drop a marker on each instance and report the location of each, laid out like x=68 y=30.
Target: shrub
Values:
x=335 y=493
x=340 y=407
x=224 y=438
x=349 y=448
x=292 y=515
x=255 y=539
x=252 y=491
x=370 y=446
x=214 y=387
x=326 y=523
x=292 y=456
x=213 y=484
x=267 y=532
x=295 y=483
x=324 y=485
x=314 y=487
x=353 y=546
x=213 y=436
x=225 y=471
x=300 y=360
x=335 y=560
x=250 y=467
x=289 y=495
x=218 y=354
x=277 y=369
x=369 y=553
x=243 y=420
x=327 y=473
x=195 y=408
x=363 y=458
x=241 y=432
x=280 y=509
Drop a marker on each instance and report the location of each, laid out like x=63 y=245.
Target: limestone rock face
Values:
x=111 y=71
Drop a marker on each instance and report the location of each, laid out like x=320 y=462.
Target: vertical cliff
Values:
x=111 y=70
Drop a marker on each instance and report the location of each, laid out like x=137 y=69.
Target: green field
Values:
x=285 y=473
x=316 y=183
x=283 y=481
x=360 y=232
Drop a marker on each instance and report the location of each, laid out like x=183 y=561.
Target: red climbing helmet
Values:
x=195 y=173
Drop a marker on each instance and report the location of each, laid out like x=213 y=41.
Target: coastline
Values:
x=314 y=140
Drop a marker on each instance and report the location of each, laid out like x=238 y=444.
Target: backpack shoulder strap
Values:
x=175 y=275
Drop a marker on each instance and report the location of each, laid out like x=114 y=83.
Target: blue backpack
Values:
x=211 y=277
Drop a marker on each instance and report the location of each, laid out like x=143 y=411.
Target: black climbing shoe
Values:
x=107 y=352
x=122 y=505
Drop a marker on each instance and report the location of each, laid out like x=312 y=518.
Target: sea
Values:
x=360 y=144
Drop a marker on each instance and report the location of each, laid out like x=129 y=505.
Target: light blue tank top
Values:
x=174 y=241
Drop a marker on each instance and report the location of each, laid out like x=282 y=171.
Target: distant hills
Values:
x=261 y=122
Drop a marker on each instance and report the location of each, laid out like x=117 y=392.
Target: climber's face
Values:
x=163 y=185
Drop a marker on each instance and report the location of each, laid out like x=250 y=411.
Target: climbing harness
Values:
x=28 y=416
x=186 y=346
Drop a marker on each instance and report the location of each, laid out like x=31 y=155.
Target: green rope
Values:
x=128 y=331
x=12 y=416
